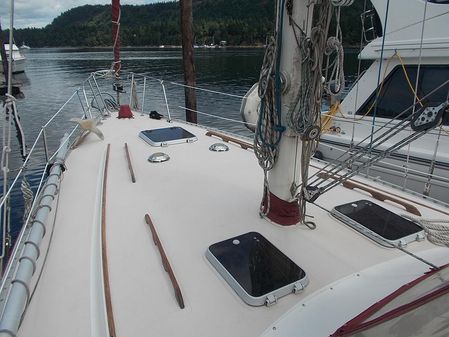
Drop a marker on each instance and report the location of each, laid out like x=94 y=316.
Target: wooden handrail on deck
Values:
x=382 y=196
x=104 y=251
x=376 y=194
x=226 y=138
x=130 y=166
x=165 y=262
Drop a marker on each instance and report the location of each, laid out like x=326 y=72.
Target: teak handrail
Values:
x=378 y=195
x=402 y=197
x=130 y=166
x=382 y=196
x=165 y=262
x=104 y=251
x=226 y=138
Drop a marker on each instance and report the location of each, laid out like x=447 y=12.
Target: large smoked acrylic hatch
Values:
x=379 y=224
x=167 y=136
x=255 y=269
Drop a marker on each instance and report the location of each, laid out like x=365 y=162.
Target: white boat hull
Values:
x=17 y=58
x=18 y=66
x=412 y=174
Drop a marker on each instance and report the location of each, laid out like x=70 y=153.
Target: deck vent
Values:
x=158 y=157
x=167 y=136
x=379 y=224
x=255 y=269
x=219 y=147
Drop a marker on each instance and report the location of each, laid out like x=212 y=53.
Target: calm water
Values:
x=52 y=75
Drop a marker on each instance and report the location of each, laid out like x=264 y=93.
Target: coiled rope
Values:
x=304 y=113
x=336 y=81
x=437 y=230
x=269 y=128
x=268 y=134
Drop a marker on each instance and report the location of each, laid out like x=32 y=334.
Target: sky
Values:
x=39 y=13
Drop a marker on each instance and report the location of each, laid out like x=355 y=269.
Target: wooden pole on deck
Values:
x=187 y=59
x=4 y=58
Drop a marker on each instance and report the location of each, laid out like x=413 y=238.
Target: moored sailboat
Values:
x=410 y=64
x=18 y=60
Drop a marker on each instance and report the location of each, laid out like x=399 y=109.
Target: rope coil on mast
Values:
x=303 y=115
x=269 y=128
x=267 y=134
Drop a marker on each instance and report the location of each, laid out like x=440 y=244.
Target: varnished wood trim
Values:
x=130 y=166
x=226 y=138
x=376 y=194
x=165 y=262
x=393 y=195
x=104 y=251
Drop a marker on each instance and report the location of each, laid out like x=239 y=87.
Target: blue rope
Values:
x=277 y=78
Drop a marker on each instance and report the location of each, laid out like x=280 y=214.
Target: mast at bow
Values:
x=290 y=88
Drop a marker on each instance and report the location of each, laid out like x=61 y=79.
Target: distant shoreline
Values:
x=351 y=47
x=153 y=47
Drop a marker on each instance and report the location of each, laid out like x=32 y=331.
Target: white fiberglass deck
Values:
x=195 y=199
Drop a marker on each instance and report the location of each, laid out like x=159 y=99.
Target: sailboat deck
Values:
x=195 y=199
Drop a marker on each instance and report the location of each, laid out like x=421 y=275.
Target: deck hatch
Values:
x=378 y=223
x=167 y=136
x=255 y=269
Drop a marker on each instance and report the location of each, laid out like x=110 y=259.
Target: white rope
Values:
x=305 y=110
x=267 y=137
x=27 y=197
x=437 y=230
x=4 y=163
x=19 y=125
x=336 y=81
x=342 y=3
x=269 y=126
x=134 y=99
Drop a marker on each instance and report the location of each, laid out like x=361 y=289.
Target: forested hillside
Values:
x=239 y=22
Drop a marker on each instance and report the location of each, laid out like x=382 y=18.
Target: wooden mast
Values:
x=116 y=44
x=187 y=59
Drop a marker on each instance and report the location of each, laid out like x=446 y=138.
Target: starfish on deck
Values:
x=88 y=125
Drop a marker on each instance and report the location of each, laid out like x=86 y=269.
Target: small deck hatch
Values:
x=255 y=269
x=167 y=136
x=378 y=223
